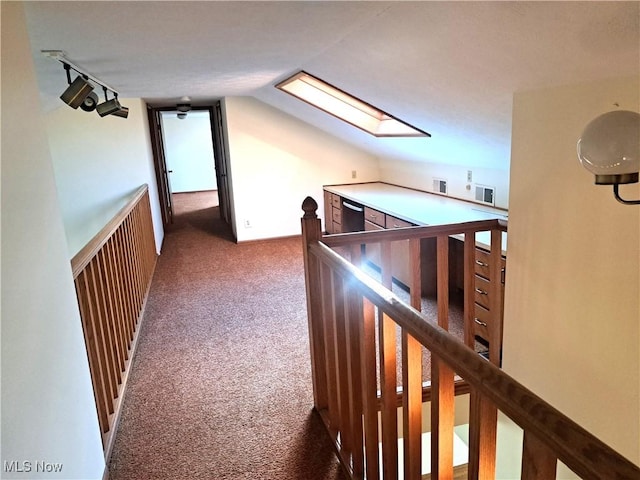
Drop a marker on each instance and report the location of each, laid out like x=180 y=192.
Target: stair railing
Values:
x=112 y=276
x=344 y=306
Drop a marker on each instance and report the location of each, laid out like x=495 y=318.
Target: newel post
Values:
x=312 y=233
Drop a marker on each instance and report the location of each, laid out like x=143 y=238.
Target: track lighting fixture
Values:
x=79 y=92
x=90 y=102
x=123 y=112
x=108 y=106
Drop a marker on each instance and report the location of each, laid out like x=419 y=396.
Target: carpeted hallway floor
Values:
x=218 y=389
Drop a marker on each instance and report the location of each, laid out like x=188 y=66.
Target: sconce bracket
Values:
x=622 y=200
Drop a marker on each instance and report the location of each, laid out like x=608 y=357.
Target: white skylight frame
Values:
x=346 y=107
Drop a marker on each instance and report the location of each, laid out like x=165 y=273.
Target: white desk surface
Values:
x=421 y=208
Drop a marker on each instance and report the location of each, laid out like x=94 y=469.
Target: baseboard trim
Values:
x=268 y=240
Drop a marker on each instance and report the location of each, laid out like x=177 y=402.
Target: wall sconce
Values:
x=609 y=147
x=79 y=92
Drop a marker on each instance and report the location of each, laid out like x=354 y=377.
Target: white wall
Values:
x=420 y=175
x=572 y=306
x=48 y=410
x=189 y=151
x=276 y=161
x=99 y=162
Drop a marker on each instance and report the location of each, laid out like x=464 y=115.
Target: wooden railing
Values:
x=346 y=306
x=112 y=275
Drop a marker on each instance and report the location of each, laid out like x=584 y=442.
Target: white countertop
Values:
x=421 y=208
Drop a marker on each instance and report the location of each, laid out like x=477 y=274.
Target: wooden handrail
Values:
x=342 y=304
x=81 y=259
x=373 y=236
x=582 y=452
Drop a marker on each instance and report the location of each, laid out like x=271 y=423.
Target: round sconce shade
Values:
x=609 y=147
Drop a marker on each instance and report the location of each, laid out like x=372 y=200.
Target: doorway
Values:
x=189 y=156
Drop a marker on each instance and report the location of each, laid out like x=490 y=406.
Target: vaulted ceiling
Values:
x=449 y=68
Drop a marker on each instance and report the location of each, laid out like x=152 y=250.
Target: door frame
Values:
x=219 y=158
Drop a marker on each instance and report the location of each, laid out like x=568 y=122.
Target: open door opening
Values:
x=189 y=156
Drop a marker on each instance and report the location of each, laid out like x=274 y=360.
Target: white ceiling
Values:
x=450 y=68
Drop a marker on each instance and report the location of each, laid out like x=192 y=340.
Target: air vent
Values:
x=440 y=186
x=485 y=194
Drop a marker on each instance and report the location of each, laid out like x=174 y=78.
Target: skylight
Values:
x=346 y=107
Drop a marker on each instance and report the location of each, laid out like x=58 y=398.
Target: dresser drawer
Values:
x=393 y=222
x=482 y=291
x=482 y=322
x=374 y=216
x=482 y=264
x=335 y=200
x=336 y=215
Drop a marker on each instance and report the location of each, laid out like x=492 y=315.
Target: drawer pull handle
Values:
x=482 y=264
x=481 y=292
x=479 y=322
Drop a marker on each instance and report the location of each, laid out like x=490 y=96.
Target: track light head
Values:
x=108 y=106
x=76 y=92
x=122 y=113
x=182 y=115
x=90 y=102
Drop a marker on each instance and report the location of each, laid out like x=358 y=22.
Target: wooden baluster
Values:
x=442 y=381
x=109 y=314
x=330 y=354
x=342 y=358
x=126 y=290
x=412 y=377
x=388 y=375
x=412 y=406
x=312 y=232
x=95 y=362
x=495 y=297
x=483 y=420
x=354 y=316
x=539 y=462
x=469 y=288
x=367 y=334
x=102 y=332
x=118 y=299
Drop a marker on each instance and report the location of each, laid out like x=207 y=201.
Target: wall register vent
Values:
x=440 y=186
x=485 y=194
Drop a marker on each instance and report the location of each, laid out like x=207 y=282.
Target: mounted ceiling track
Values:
x=346 y=107
x=79 y=92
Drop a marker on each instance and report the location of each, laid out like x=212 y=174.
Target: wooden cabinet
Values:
x=487 y=322
x=400 y=260
x=332 y=213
